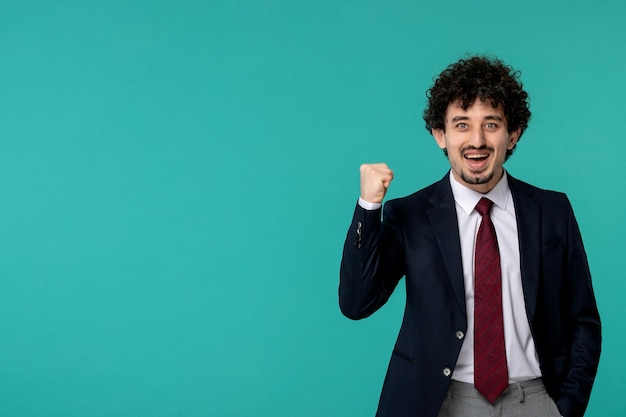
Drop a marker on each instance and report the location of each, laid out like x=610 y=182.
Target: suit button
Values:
x=359 y=235
x=460 y=335
x=447 y=372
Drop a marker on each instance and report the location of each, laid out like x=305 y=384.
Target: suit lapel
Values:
x=528 y=216
x=442 y=216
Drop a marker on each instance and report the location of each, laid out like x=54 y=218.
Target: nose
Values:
x=477 y=138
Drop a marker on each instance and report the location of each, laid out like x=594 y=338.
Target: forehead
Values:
x=479 y=109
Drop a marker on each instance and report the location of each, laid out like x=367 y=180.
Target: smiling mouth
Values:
x=477 y=157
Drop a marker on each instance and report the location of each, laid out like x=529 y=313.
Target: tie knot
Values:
x=484 y=206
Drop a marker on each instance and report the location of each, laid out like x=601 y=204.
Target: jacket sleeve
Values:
x=586 y=340
x=372 y=262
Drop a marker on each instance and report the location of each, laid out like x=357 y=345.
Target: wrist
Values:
x=368 y=205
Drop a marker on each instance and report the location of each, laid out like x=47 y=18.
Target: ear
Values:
x=439 y=137
x=513 y=138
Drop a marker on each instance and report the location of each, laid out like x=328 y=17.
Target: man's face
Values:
x=477 y=141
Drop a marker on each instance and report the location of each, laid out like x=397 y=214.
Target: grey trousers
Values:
x=522 y=399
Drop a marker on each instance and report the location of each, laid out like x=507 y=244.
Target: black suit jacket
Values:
x=419 y=239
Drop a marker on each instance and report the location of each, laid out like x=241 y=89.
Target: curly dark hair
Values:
x=478 y=77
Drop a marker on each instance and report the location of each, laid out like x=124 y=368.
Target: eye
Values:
x=491 y=125
x=462 y=126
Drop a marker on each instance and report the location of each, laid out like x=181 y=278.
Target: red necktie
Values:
x=490 y=369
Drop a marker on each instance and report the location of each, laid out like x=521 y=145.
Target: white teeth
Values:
x=476 y=156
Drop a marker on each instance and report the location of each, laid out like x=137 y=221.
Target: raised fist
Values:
x=375 y=180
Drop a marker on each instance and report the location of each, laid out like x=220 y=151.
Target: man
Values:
x=500 y=317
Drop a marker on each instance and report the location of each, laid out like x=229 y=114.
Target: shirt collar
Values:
x=468 y=198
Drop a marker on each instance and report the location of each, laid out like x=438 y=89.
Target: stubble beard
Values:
x=476 y=180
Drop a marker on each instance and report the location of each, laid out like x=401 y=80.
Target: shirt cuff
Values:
x=369 y=206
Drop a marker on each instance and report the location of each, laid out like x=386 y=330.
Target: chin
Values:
x=477 y=179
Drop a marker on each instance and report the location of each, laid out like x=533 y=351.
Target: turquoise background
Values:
x=177 y=177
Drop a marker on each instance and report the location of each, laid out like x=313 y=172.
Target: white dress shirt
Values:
x=520 y=347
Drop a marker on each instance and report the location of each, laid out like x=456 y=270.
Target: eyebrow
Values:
x=489 y=117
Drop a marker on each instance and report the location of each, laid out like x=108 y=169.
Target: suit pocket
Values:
x=552 y=245
x=404 y=356
x=559 y=365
